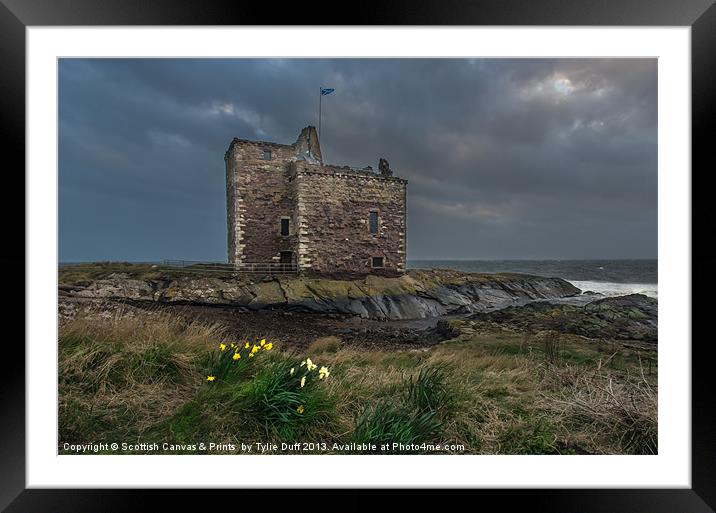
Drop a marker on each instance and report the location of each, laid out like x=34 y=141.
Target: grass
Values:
x=86 y=273
x=427 y=390
x=144 y=379
x=416 y=416
x=388 y=422
x=325 y=345
x=286 y=410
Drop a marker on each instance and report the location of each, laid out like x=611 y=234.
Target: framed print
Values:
x=427 y=251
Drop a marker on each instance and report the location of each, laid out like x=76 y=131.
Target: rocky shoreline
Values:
x=416 y=295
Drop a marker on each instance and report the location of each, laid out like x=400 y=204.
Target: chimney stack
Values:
x=307 y=145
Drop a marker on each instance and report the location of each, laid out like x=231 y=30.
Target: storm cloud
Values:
x=505 y=158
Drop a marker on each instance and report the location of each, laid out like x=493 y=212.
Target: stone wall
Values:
x=258 y=196
x=334 y=206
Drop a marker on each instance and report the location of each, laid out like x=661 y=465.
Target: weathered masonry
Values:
x=285 y=206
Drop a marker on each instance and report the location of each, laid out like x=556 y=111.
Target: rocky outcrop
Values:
x=415 y=295
x=115 y=286
x=632 y=317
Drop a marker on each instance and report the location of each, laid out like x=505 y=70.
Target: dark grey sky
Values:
x=506 y=158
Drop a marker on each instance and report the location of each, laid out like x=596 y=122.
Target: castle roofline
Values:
x=306 y=145
x=308 y=158
x=307 y=168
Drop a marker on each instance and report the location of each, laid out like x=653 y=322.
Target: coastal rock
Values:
x=632 y=317
x=118 y=286
x=193 y=290
x=416 y=295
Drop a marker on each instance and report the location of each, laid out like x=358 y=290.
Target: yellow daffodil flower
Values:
x=210 y=378
x=246 y=346
x=323 y=373
x=251 y=355
x=263 y=341
x=268 y=346
x=303 y=381
x=300 y=409
x=236 y=356
x=310 y=365
x=255 y=349
x=233 y=345
x=292 y=370
x=222 y=346
x=303 y=363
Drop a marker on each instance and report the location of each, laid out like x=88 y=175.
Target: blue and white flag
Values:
x=326 y=91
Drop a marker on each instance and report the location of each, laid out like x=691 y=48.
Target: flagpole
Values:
x=320 y=100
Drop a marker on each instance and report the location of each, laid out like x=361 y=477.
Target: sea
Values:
x=606 y=277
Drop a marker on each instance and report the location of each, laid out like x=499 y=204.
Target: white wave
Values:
x=617 y=289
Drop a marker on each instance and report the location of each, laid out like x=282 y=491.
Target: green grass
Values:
x=529 y=435
x=427 y=390
x=388 y=422
x=415 y=415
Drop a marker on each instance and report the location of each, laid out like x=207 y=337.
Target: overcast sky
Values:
x=505 y=158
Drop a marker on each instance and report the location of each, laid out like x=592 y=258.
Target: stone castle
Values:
x=285 y=207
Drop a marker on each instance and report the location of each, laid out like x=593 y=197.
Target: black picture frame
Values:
x=16 y=15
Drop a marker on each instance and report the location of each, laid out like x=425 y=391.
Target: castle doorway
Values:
x=286 y=257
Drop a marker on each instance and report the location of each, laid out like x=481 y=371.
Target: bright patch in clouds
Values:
x=229 y=109
x=563 y=85
x=223 y=108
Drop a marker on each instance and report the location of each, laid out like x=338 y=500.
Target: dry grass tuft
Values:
x=553 y=345
x=325 y=345
x=118 y=375
x=618 y=410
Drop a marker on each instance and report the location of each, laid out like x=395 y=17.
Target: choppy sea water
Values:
x=607 y=277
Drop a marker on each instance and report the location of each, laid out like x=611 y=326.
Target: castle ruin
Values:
x=286 y=207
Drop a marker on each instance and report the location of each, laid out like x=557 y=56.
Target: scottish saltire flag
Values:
x=326 y=91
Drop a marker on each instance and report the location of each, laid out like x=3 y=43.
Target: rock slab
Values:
x=415 y=295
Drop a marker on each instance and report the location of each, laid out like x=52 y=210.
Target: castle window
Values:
x=284 y=226
x=373 y=222
x=266 y=155
x=376 y=262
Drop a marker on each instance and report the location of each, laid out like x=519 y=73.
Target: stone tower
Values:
x=286 y=207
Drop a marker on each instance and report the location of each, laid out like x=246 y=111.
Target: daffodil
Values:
x=255 y=349
x=246 y=346
x=222 y=346
x=292 y=370
x=300 y=409
x=323 y=373
x=268 y=346
x=210 y=378
x=310 y=365
x=251 y=355
x=303 y=381
x=236 y=356
x=263 y=341
x=233 y=345
x=303 y=363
